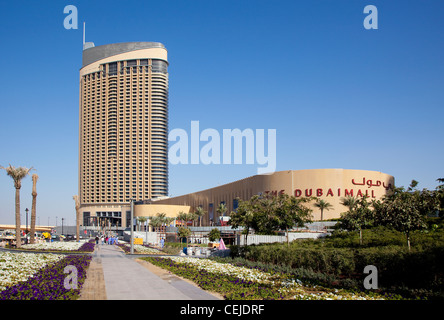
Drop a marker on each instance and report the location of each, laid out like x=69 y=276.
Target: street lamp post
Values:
x=26 y=222
x=132 y=226
x=62 y=224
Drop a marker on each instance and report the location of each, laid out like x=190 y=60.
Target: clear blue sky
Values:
x=339 y=96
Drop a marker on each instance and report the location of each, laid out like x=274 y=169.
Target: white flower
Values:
x=61 y=246
x=287 y=286
x=16 y=267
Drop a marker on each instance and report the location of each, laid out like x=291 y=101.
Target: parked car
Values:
x=70 y=237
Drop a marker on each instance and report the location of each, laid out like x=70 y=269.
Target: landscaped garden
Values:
x=39 y=274
x=330 y=268
x=72 y=246
x=140 y=249
x=400 y=237
x=29 y=276
x=236 y=282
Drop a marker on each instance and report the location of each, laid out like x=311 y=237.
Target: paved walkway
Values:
x=113 y=275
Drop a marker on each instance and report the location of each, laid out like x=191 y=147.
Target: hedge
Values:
x=397 y=267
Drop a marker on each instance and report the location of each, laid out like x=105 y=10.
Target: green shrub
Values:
x=214 y=235
x=399 y=269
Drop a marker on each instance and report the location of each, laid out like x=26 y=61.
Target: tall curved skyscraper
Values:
x=123 y=145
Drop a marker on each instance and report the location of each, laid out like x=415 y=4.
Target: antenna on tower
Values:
x=86 y=45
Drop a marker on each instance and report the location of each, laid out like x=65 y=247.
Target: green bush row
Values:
x=397 y=267
x=382 y=236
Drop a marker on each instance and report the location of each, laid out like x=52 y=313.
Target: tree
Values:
x=222 y=209
x=359 y=216
x=214 y=235
x=291 y=211
x=141 y=220
x=243 y=216
x=185 y=217
x=184 y=232
x=77 y=204
x=157 y=221
x=17 y=174
x=33 y=208
x=200 y=212
x=182 y=216
x=440 y=195
x=406 y=210
x=323 y=205
x=265 y=220
x=350 y=202
x=268 y=214
x=160 y=219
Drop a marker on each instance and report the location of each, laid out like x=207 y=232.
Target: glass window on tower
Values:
x=112 y=68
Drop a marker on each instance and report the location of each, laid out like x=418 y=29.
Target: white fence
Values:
x=256 y=239
x=148 y=237
x=154 y=237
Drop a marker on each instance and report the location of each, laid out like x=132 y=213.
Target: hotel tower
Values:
x=123 y=134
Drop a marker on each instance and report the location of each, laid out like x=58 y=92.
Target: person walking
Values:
x=97 y=239
x=162 y=242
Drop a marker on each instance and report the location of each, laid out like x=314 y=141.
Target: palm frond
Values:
x=17 y=174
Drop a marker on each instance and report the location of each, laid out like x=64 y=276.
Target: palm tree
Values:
x=35 y=177
x=142 y=220
x=182 y=216
x=323 y=205
x=350 y=202
x=17 y=174
x=161 y=219
x=156 y=221
x=77 y=203
x=200 y=212
x=222 y=209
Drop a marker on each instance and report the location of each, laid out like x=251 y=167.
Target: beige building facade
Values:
x=123 y=129
x=328 y=184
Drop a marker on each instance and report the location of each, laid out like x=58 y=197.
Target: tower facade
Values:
x=123 y=140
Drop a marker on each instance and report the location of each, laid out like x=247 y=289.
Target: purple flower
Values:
x=48 y=282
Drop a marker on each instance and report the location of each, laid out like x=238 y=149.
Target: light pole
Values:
x=62 y=224
x=146 y=229
x=26 y=210
x=132 y=226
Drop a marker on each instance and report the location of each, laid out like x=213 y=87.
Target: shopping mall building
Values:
x=328 y=184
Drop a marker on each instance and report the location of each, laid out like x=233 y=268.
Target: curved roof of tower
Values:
x=94 y=54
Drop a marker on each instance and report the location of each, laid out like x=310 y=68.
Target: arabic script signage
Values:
x=339 y=192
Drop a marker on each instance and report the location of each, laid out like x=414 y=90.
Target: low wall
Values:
x=148 y=237
x=257 y=239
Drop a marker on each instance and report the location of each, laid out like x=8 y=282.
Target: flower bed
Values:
x=16 y=267
x=60 y=246
x=236 y=282
x=140 y=249
x=48 y=282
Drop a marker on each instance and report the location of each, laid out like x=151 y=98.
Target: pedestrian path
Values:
x=126 y=279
